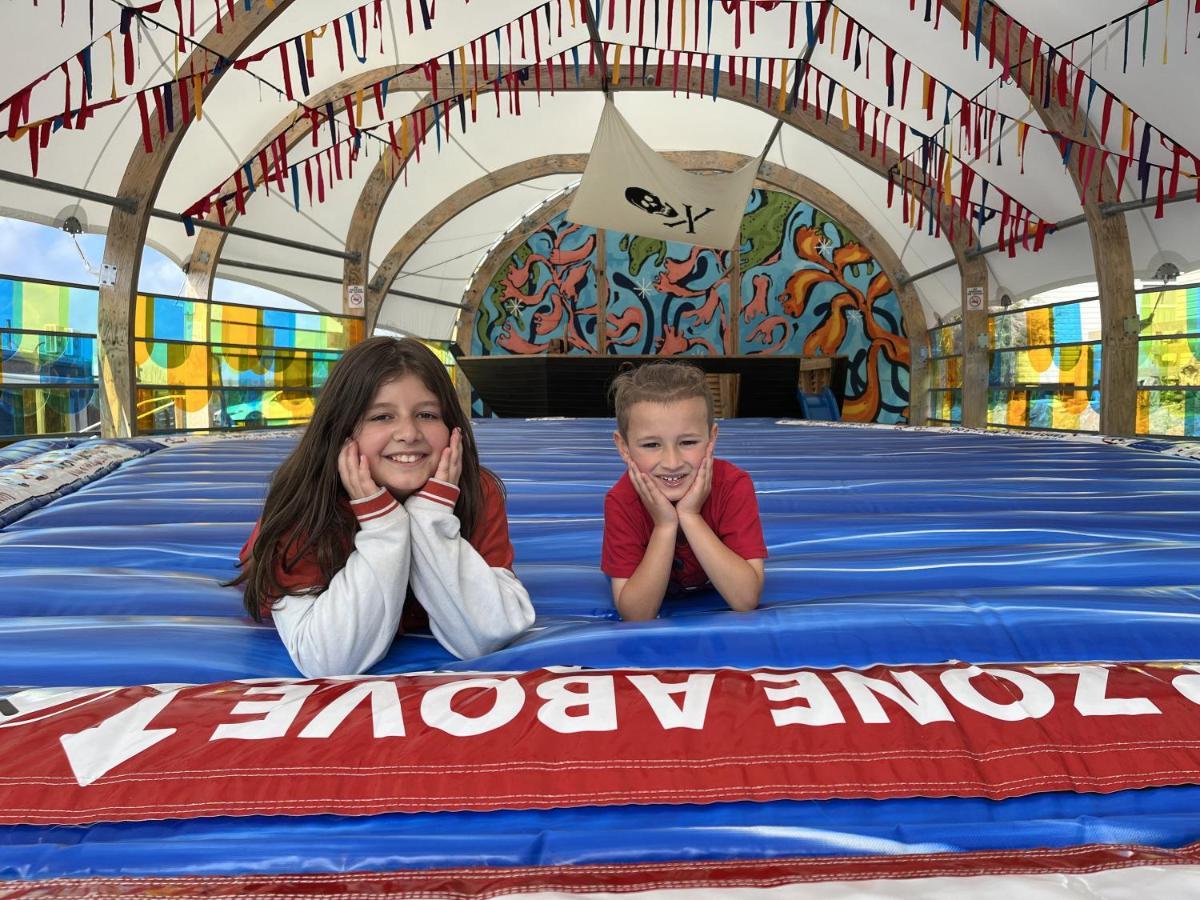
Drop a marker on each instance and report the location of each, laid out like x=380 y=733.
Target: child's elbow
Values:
x=489 y=640
x=746 y=598
x=636 y=615
x=744 y=603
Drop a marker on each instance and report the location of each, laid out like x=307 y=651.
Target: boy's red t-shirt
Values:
x=489 y=538
x=731 y=511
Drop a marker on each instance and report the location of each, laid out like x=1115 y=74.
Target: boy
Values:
x=679 y=519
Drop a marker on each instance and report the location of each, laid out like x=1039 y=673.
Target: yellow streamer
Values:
x=198 y=95
x=1126 y=121
x=833 y=29
x=1166 y=30
x=571 y=3
x=358 y=105
x=112 y=52
x=845 y=109
x=617 y=65
x=782 y=98
x=404 y=137
x=474 y=98
x=462 y=63
x=682 y=21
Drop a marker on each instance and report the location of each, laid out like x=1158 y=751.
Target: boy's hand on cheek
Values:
x=693 y=500
x=354 y=472
x=662 y=510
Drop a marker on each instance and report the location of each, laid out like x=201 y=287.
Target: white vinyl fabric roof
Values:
x=246 y=106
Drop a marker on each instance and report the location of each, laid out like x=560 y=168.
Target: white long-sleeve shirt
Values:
x=474 y=608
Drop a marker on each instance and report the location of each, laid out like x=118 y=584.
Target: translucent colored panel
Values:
x=945 y=373
x=1062 y=410
x=1066 y=326
x=280 y=327
x=83 y=307
x=47 y=307
x=945 y=406
x=1040 y=332
x=1170 y=312
x=1077 y=364
x=26 y=358
x=310 y=331
x=236 y=325
x=261 y=408
x=1017 y=411
x=43 y=306
x=1175 y=413
x=247 y=367
x=946 y=340
x=1008 y=408
x=164 y=409
x=9 y=292
x=166 y=363
x=1074 y=411
x=1169 y=362
x=284 y=407
x=51 y=410
x=170 y=318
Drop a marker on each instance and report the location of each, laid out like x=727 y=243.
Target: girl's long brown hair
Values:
x=307 y=510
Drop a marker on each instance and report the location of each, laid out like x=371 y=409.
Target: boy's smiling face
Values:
x=668 y=442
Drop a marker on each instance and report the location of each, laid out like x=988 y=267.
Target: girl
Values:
x=369 y=510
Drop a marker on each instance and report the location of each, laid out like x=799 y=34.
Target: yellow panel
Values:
x=1018 y=408
x=239 y=324
x=1040 y=331
x=43 y=306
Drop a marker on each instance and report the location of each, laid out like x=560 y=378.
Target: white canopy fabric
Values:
x=246 y=106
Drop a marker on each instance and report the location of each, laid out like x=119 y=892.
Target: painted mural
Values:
x=544 y=293
x=808 y=287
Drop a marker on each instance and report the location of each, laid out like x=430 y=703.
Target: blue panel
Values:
x=886 y=546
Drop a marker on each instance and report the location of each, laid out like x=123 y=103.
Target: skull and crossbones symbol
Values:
x=652 y=204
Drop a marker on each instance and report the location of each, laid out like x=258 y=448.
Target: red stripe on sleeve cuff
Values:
x=373 y=507
x=442 y=492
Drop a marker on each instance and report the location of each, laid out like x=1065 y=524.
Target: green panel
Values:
x=1170 y=312
x=1169 y=362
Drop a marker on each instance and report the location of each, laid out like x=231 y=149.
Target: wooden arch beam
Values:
x=127 y=227
x=295 y=127
x=828 y=130
x=770 y=176
x=1110 y=247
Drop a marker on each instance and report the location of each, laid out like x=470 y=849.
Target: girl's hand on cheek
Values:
x=354 y=472
x=450 y=465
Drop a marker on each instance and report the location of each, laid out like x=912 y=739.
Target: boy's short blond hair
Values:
x=658 y=382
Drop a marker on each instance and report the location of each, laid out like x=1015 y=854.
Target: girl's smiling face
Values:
x=668 y=442
x=402 y=435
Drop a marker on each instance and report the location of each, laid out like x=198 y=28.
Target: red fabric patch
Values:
x=551 y=739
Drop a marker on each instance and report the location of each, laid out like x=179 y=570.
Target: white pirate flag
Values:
x=627 y=186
